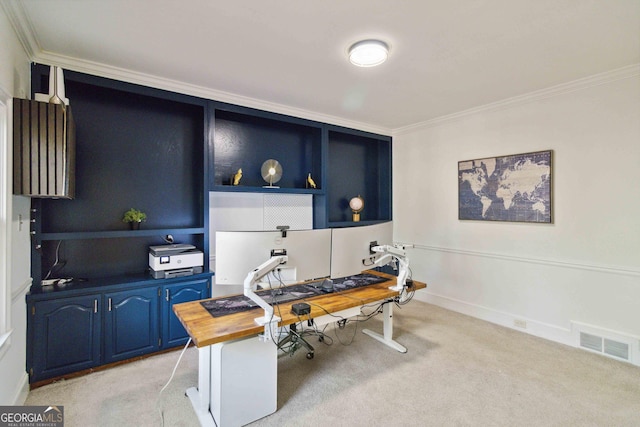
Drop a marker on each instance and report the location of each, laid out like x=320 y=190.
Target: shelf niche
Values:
x=359 y=164
x=244 y=141
x=132 y=151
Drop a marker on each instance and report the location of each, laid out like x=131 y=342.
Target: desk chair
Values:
x=293 y=341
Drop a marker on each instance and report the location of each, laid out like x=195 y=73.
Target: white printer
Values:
x=175 y=260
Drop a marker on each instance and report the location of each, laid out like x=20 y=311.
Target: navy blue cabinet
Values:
x=131 y=323
x=80 y=328
x=65 y=336
x=173 y=333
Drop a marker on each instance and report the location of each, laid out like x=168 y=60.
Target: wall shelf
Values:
x=342 y=224
x=247 y=189
x=119 y=234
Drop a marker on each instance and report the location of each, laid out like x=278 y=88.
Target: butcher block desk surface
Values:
x=205 y=329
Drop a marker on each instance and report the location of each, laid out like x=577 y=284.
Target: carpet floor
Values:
x=458 y=371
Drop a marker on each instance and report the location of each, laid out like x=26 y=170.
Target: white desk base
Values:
x=387 y=337
x=237 y=382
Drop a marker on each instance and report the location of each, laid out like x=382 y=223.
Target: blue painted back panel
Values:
x=246 y=141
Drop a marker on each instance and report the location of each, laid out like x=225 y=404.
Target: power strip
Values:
x=51 y=282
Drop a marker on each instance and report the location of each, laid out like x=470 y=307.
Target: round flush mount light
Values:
x=368 y=53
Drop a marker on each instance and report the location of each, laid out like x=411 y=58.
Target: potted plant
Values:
x=134 y=217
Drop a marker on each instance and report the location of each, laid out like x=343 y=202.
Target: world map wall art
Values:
x=507 y=188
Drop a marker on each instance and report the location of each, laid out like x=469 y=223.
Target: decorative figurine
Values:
x=235 y=180
x=310 y=182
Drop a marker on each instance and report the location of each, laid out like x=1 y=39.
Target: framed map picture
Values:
x=506 y=188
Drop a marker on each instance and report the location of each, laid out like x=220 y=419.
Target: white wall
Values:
x=14 y=81
x=585 y=267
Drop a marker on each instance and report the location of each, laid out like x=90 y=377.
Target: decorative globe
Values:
x=356 y=204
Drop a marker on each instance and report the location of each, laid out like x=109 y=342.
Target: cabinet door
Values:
x=66 y=336
x=131 y=323
x=173 y=332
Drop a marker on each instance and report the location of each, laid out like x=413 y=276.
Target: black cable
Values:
x=355 y=331
x=405 y=295
x=57 y=262
x=314 y=331
x=322 y=337
x=275 y=304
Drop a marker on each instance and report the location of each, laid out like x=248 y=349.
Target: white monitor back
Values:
x=350 y=245
x=239 y=252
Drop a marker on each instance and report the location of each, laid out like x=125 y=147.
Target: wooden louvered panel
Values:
x=44 y=150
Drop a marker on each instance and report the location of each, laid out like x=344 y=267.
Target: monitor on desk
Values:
x=350 y=246
x=239 y=252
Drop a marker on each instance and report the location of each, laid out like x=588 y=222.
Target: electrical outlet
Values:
x=519 y=323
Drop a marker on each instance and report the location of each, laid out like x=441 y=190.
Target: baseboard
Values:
x=518 y=323
x=21 y=391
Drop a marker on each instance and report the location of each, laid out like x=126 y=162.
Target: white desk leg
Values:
x=200 y=396
x=387 y=338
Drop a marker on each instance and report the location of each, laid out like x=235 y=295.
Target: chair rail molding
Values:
x=624 y=271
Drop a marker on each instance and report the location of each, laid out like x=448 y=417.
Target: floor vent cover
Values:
x=616 y=349
x=591 y=342
x=607 y=346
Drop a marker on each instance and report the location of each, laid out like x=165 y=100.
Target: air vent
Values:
x=616 y=349
x=604 y=343
x=591 y=342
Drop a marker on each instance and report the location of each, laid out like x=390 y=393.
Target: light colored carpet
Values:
x=459 y=371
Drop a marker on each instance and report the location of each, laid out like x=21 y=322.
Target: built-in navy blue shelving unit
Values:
x=343 y=162
x=136 y=147
x=162 y=153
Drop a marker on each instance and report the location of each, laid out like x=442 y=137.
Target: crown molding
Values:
x=22 y=26
x=583 y=83
x=26 y=35
x=121 y=74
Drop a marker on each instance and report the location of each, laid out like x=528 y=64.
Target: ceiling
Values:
x=446 y=56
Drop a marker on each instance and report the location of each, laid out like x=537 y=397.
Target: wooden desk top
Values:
x=205 y=329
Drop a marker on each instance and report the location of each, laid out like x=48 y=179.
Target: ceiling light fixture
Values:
x=368 y=53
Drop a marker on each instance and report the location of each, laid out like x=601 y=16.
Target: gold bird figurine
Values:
x=236 y=177
x=311 y=183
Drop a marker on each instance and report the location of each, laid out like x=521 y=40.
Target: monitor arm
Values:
x=394 y=252
x=251 y=285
